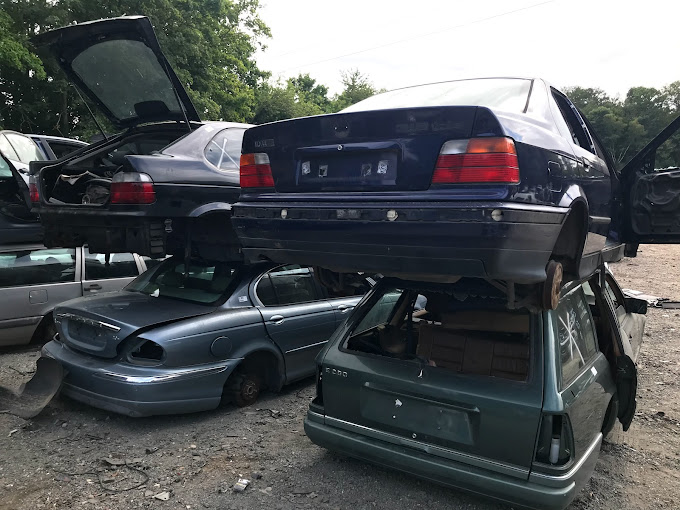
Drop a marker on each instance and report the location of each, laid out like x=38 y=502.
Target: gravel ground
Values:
x=74 y=456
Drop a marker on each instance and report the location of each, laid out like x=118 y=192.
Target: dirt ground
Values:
x=74 y=456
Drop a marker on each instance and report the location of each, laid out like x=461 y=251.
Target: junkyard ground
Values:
x=56 y=460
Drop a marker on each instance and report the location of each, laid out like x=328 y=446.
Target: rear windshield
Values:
x=509 y=94
x=202 y=282
x=460 y=328
x=126 y=76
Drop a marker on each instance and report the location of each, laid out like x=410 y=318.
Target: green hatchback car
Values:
x=454 y=383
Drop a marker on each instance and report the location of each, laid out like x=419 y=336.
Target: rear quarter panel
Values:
x=231 y=333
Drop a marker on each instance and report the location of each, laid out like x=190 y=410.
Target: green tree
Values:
x=278 y=102
x=357 y=87
x=308 y=91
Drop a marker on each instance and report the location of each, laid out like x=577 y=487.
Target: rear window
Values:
x=507 y=94
x=25 y=147
x=202 y=282
x=461 y=328
x=126 y=76
x=224 y=150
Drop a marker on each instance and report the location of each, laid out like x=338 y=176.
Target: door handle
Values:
x=344 y=308
x=276 y=319
x=94 y=286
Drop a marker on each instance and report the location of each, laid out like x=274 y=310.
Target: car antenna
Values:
x=91 y=113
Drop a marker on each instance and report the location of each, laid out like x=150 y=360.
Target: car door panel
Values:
x=296 y=315
x=623 y=355
x=32 y=282
x=102 y=277
x=342 y=307
x=300 y=331
x=651 y=197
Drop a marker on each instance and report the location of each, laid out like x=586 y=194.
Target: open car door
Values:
x=17 y=223
x=651 y=197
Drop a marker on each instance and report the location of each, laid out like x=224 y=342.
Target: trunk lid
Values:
x=120 y=66
x=381 y=150
x=472 y=395
x=98 y=324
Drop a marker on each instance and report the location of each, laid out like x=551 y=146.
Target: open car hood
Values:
x=119 y=65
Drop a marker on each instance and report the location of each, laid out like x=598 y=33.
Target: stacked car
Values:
x=493 y=352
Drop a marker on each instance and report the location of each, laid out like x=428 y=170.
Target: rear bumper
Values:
x=497 y=240
x=539 y=492
x=140 y=391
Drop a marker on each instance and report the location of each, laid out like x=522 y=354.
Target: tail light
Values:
x=555 y=444
x=33 y=190
x=256 y=171
x=477 y=161
x=132 y=188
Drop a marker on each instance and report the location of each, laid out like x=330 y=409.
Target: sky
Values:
x=612 y=45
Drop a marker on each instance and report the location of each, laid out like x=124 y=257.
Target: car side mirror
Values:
x=634 y=305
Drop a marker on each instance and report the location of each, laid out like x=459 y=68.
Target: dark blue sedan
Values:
x=500 y=178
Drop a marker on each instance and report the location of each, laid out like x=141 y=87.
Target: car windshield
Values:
x=509 y=94
x=127 y=78
x=202 y=282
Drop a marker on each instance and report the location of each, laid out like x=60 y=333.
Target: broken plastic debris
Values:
x=241 y=485
x=651 y=300
x=163 y=496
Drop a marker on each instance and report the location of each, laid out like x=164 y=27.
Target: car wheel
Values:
x=552 y=285
x=245 y=388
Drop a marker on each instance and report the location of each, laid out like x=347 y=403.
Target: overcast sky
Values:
x=608 y=44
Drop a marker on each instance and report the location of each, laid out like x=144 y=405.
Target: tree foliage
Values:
x=210 y=43
x=625 y=126
x=302 y=96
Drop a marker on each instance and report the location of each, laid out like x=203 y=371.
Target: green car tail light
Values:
x=555 y=445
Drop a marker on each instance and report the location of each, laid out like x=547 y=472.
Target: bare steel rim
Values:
x=552 y=285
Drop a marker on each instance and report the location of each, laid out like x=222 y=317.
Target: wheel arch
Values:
x=268 y=364
x=575 y=226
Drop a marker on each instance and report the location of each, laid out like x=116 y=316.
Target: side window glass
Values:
x=577 y=129
x=121 y=265
x=381 y=312
x=224 y=150
x=293 y=284
x=61 y=149
x=265 y=292
x=36 y=267
x=7 y=149
x=575 y=333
